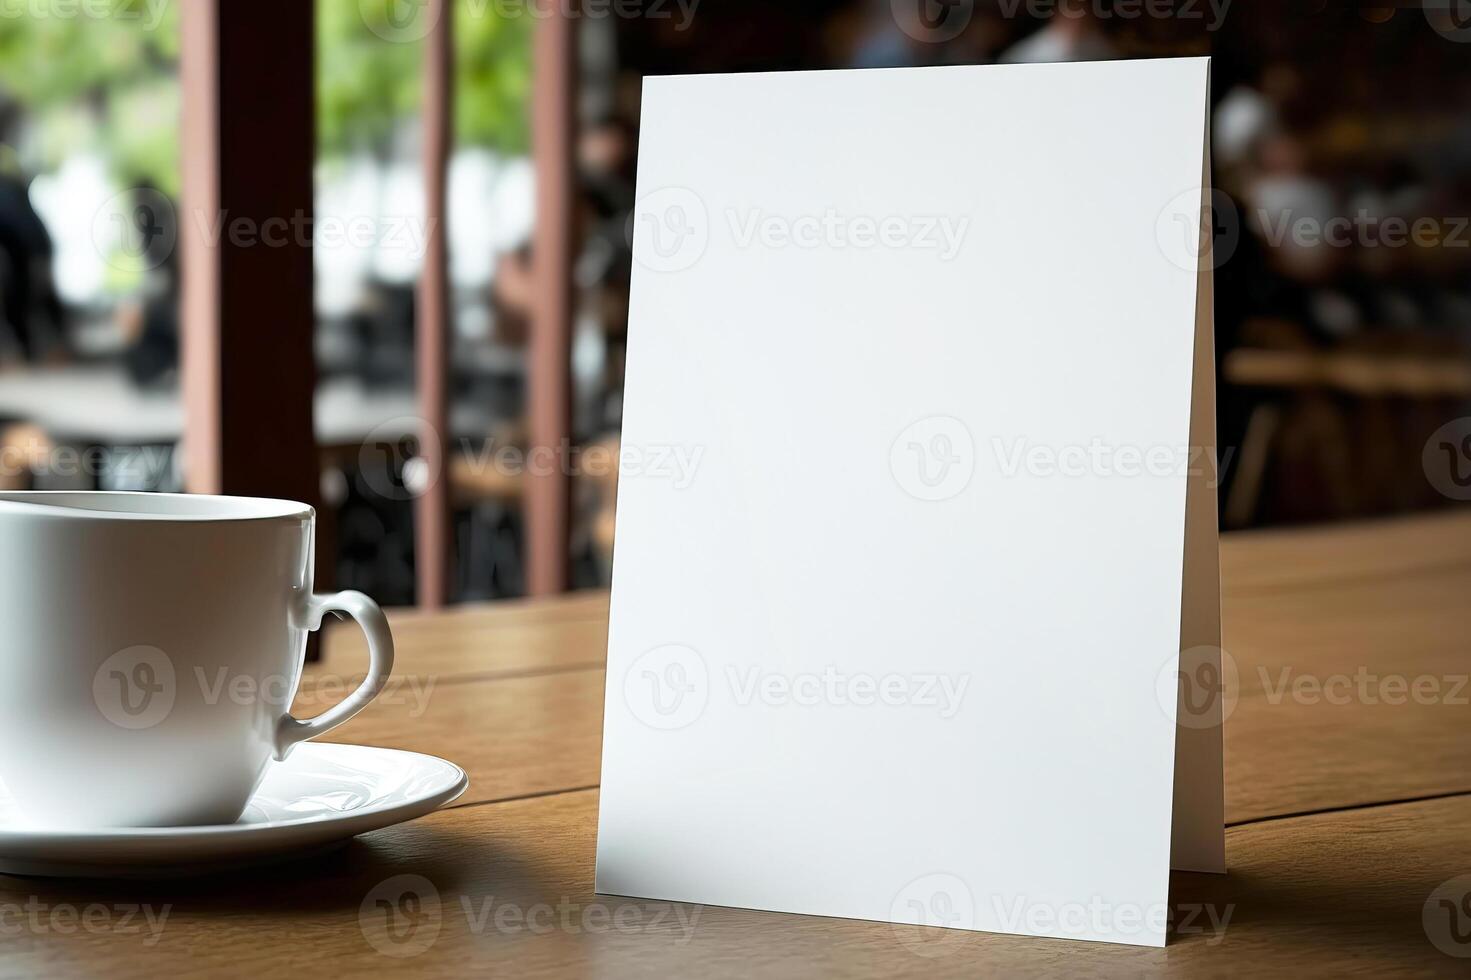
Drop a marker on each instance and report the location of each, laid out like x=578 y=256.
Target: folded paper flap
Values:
x=1207 y=688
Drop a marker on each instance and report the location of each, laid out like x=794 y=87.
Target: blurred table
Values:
x=92 y=404
x=1343 y=815
x=100 y=405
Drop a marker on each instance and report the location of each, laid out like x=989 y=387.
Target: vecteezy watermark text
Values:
x=1213 y=12
x=1363 y=686
x=1191 y=687
x=942 y=234
x=1102 y=459
x=36 y=456
x=938 y=21
x=1099 y=917
x=671 y=230
x=37 y=918
x=147 y=13
x=394 y=467
x=670 y=686
x=138 y=230
x=402 y=916
x=943 y=905
x=1361 y=230
x=838 y=688
x=936 y=457
x=407 y=21
x=137 y=688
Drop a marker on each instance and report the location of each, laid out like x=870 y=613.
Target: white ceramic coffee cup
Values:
x=150 y=648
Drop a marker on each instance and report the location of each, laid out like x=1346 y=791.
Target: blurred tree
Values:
x=368 y=74
x=110 y=84
x=88 y=80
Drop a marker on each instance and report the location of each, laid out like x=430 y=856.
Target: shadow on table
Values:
x=335 y=879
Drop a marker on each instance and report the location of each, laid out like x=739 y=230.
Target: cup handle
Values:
x=365 y=611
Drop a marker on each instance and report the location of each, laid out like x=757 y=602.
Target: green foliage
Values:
x=61 y=62
x=58 y=53
x=366 y=84
x=110 y=84
x=492 y=78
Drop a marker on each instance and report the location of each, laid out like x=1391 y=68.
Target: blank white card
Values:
x=915 y=516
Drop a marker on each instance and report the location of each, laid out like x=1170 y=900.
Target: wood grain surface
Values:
x=1348 y=796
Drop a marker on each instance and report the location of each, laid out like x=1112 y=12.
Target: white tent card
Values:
x=917 y=506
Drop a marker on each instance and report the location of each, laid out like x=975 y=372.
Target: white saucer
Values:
x=322 y=795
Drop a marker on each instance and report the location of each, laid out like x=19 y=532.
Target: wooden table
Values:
x=1344 y=814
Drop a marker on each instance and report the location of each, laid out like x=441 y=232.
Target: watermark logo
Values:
x=933 y=21
x=1450 y=18
x=667 y=687
x=933 y=459
x=938 y=904
x=401 y=916
x=399 y=21
x=136 y=230
x=1446 y=459
x=1196 y=231
x=1189 y=687
x=1446 y=917
x=671 y=229
x=390 y=461
x=135 y=688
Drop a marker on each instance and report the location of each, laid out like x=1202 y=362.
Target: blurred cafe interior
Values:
x=415 y=232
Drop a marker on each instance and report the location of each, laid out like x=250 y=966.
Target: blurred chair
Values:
x=1338 y=427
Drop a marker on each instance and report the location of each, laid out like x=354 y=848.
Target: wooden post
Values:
x=246 y=316
x=554 y=124
x=432 y=531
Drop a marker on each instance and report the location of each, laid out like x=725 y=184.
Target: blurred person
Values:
x=1240 y=122
x=149 y=322
x=1275 y=264
x=512 y=294
x=605 y=158
x=1291 y=208
x=29 y=304
x=1072 y=33
x=606 y=162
